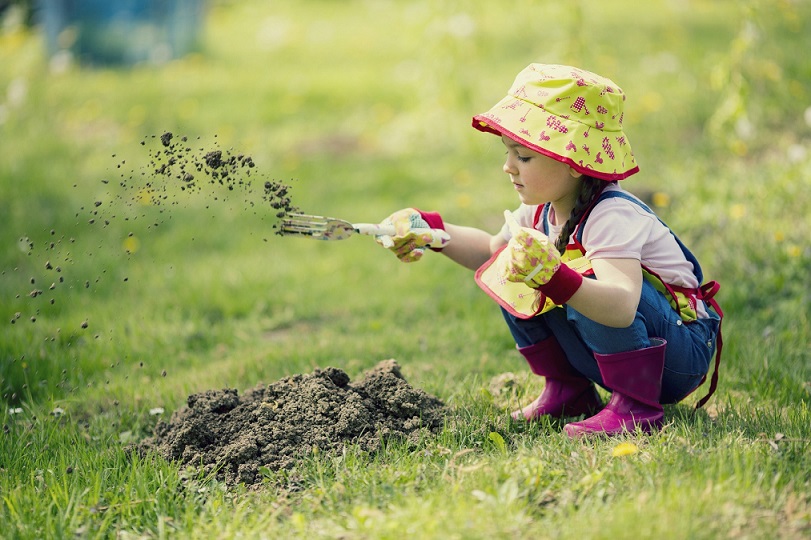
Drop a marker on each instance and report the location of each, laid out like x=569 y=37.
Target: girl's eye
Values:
x=519 y=158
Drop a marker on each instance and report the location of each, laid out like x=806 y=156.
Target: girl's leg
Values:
x=635 y=378
x=689 y=346
x=526 y=332
x=658 y=359
x=566 y=391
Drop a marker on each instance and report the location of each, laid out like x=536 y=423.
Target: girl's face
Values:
x=539 y=179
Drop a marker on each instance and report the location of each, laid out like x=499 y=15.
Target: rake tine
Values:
x=305 y=220
x=302 y=229
x=303 y=226
x=308 y=217
x=327 y=228
x=303 y=232
x=308 y=233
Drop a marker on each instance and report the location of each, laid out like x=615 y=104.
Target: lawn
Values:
x=363 y=107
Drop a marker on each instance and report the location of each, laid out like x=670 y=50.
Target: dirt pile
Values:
x=273 y=426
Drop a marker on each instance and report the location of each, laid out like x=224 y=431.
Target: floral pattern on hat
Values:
x=569 y=114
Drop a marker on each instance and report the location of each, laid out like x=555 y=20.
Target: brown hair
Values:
x=590 y=189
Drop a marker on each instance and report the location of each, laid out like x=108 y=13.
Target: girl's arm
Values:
x=613 y=298
x=471 y=247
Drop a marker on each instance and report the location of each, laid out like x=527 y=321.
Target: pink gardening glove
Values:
x=531 y=258
x=414 y=231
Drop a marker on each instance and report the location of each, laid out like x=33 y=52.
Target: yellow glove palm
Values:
x=412 y=235
x=530 y=258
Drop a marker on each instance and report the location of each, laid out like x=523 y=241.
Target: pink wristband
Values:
x=434 y=220
x=563 y=285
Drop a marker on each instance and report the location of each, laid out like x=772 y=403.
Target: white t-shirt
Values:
x=620 y=229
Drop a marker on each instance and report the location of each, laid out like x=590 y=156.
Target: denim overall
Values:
x=664 y=312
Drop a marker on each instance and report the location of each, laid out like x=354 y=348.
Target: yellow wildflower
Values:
x=624 y=449
x=794 y=251
x=131 y=244
x=737 y=211
x=661 y=199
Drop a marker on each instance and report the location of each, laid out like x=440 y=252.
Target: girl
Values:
x=593 y=287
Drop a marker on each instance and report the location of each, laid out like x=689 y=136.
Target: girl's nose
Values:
x=508 y=167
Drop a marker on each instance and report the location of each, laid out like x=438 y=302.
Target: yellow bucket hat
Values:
x=568 y=114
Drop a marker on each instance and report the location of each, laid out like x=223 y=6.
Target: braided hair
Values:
x=590 y=189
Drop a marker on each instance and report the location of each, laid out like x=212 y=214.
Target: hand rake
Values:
x=327 y=228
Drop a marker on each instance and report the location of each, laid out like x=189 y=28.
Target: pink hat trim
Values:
x=482 y=124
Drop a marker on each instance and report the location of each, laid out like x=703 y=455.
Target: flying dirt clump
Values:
x=273 y=426
x=176 y=172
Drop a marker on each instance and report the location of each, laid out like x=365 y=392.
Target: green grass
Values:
x=364 y=107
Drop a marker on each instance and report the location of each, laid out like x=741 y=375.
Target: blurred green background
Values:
x=364 y=107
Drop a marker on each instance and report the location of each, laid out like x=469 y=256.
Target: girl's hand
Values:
x=532 y=258
x=413 y=233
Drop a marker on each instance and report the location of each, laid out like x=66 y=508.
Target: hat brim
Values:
x=587 y=149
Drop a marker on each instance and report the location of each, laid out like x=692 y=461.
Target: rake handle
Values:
x=372 y=229
x=439 y=238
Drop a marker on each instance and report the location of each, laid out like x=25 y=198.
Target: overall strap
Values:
x=708 y=291
x=542 y=217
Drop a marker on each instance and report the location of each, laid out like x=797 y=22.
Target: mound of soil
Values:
x=275 y=425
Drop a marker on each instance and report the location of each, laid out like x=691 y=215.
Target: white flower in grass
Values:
x=796 y=153
x=156 y=411
x=58 y=411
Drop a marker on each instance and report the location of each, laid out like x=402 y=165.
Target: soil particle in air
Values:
x=274 y=426
x=215 y=174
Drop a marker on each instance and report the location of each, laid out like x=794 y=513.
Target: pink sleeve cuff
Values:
x=434 y=220
x=563 y=285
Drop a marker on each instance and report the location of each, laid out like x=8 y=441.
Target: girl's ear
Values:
x=574 y=174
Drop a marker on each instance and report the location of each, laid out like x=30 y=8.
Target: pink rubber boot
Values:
x=566 y=391
x=636 y=380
